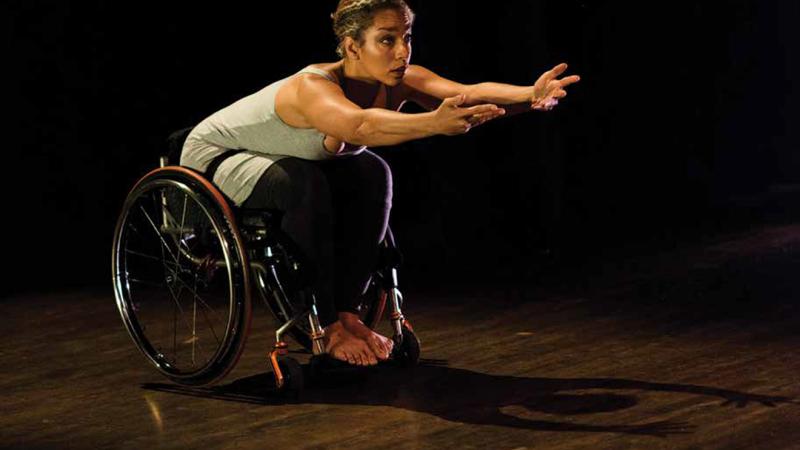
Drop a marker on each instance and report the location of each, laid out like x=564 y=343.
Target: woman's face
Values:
x=387 y=47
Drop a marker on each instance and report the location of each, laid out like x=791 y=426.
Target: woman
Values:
x=303 y=150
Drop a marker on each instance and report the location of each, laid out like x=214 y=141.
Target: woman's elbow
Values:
x=360 y=135
x=357 y=131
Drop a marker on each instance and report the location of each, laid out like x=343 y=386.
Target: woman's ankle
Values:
x=334 y=327
x=349 y=318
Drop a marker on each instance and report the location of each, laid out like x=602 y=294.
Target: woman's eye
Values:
x=390 y=40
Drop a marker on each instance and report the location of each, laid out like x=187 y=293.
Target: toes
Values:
x=349 y=357
x=369 y=355
x=386 y=347
x=389 y=344
x=377 y=348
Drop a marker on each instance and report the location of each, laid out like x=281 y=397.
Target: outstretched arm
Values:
x=542 y=96
x=514 y=99
x=426 y=88
x=324 y=106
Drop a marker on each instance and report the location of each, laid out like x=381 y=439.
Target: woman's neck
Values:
x=362 y=93
x=351 y=70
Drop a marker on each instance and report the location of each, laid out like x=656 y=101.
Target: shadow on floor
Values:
x=468 y=397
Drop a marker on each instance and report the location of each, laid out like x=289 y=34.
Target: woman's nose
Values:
x=402 y=51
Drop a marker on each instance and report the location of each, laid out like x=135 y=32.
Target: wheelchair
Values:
x=185 y=263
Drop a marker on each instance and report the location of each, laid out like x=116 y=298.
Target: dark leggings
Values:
x=337 y=211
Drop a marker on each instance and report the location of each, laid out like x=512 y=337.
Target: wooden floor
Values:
x=693 y=348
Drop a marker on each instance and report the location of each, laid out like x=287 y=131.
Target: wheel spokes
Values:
x=176 y=236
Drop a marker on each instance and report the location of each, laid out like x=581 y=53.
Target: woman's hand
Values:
x=547 y=89
x=450 y=119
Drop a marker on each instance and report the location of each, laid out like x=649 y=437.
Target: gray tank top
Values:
x=251 y=124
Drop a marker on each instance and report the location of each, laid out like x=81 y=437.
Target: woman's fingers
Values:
x=558 y=70
x=566 y=81
x=488 y=115
x=477 y=119
x=479 y=109
x=545 y=105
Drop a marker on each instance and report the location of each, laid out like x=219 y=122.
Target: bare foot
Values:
x=380 y=345
x=342 y=345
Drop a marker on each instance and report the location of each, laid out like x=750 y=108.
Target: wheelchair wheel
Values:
x=181 y=276
x=407 y=353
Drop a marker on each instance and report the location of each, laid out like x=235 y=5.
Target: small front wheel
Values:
x=407 y=353
x=292 y=372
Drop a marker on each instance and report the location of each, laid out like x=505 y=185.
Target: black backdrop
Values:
x=682 y=123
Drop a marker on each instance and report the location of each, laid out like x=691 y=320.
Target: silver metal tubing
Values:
x=261 y=271
x=288 y=325
x=395 y=298
x=317 y=333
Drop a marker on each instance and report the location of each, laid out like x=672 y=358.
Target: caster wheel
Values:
x=407 y=353
x=292 y=371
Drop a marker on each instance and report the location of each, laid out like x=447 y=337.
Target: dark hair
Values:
x=352 y=17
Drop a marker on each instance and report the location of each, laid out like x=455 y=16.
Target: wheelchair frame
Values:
x=260 y=246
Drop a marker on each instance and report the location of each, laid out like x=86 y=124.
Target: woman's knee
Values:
x=378 y=175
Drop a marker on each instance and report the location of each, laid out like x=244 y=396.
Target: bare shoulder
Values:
x=411 y=88
x=406 y=89
x=415 y=72
x=316 y=84
x=314 y=80
x=414 y=77
x=289 y=99
x=330 y=68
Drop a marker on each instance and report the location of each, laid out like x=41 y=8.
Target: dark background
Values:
x=681 y=126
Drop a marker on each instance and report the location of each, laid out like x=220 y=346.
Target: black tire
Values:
x=181 y=276
x=293 y=377
x=407 y=353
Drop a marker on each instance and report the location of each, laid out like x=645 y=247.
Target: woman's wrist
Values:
x=499 y=93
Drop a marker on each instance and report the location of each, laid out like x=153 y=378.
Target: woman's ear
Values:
x=351 y=47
